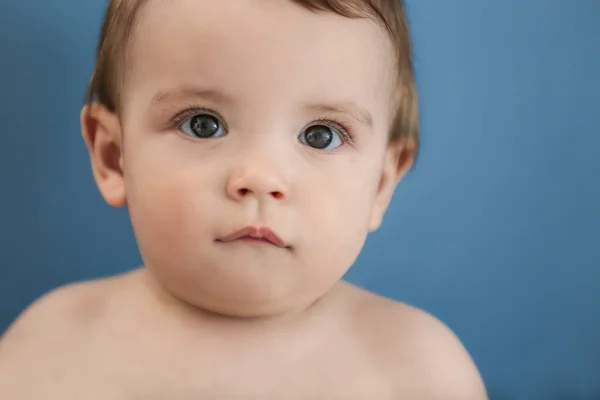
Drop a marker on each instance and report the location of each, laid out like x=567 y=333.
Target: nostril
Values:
x=245 y=192
x=277 y=195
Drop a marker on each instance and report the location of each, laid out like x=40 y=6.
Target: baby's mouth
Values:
x=255 y=234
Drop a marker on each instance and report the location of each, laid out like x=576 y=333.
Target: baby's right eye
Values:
x=203 y=126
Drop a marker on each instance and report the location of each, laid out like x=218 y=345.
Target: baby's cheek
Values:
x=339 y=225
x=163 y=215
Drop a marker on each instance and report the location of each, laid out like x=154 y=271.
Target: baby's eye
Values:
x=203 y=126
x=321 y=137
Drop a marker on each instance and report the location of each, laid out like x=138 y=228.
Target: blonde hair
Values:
x=120 y=21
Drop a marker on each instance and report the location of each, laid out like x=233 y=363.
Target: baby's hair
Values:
x=120 y=21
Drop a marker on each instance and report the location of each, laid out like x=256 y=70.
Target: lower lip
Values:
x=249 y=240
x=253 y=240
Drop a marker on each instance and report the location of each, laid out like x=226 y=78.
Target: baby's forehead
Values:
x=260 y=49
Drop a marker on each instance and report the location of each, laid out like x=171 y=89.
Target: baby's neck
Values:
x=173 y=307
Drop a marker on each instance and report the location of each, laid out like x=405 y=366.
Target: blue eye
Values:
x=203 y=126
x=321 y=137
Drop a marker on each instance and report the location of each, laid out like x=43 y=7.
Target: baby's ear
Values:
x=399 y=157
x=101 y=132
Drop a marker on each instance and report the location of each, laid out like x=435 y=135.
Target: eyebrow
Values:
x=213 y=95
x=216 y=96
x=348 y=108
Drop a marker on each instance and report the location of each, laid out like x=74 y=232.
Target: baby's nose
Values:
x=258 y=181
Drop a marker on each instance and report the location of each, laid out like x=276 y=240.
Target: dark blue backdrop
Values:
x=497 y=231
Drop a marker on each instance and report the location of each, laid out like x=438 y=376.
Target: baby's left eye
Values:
x=321 y=137
x=203 y=126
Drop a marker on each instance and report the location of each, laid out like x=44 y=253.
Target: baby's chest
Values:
x=208 y=375
x=267 y=379
x=149 y=366
x=304 y=385
x=124 y=386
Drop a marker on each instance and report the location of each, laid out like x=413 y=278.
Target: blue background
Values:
x=496 y=232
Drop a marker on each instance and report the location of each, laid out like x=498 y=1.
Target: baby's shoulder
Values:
x=412 y=345
x=55 y=323
x=51 y=341
x=52 y=316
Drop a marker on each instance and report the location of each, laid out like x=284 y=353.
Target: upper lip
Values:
x=255 y=233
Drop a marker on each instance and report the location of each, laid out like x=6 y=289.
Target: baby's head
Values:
x=288 y=120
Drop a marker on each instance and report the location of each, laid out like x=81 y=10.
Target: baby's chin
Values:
x=237 y=299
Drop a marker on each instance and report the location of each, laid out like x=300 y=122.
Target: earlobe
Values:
x=101 y=132
x=398 y=160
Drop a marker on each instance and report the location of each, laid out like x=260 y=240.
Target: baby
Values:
x=256 y=143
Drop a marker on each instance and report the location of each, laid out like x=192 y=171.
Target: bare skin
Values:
x=214 y=140
x=121 y=339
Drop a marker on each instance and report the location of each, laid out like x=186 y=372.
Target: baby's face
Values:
x=259 y=117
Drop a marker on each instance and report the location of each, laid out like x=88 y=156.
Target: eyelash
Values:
x=338 y=126
x=333 y=123
x=177 y=120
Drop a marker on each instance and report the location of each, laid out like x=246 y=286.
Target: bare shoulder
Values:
x=412 y=345
x=52 y=316
x=56 y=320
x=51 y=341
